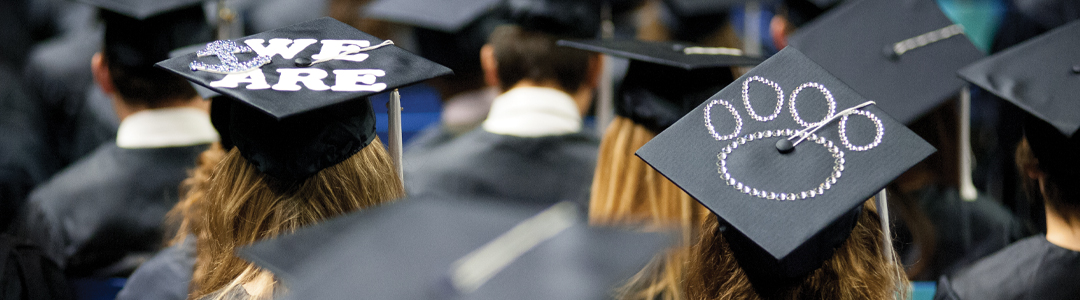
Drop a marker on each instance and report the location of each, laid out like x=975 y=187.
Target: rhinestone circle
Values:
x=880 y=131
x=746 y=98
x=709 y=125
x=828 y=98
x=838 y=168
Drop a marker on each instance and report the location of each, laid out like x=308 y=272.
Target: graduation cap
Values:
x=785 y=156
x=903 y=54
x=690 y=20
x=427 y=248
x=449 y=32
x=203 y=92
x=298 y=93
x=1042 y=77
x=563 y=18
x=139 y=33
x=665 y=80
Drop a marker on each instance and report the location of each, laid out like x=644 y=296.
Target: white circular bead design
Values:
x=877 y=136
x=750 y=109
x=838 y=167
x=709 y=125
x=828 y=98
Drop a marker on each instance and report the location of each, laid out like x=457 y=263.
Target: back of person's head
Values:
x=857 y=270
x=1045 y=151
x=242 y=206
x=522 y=54
x=132 y=46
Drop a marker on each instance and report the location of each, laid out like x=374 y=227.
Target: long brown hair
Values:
x=626 y=191
x=239 y=205
x=858 y=269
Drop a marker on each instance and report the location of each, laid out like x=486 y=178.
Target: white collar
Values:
x=533 y=112
x=166 y=127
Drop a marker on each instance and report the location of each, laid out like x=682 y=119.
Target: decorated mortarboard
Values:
x=563 y=18
x=428 y=248
x=139 y=33
x=298 y=93
x=205 y=93
x=785 y=156
x=665 y=80
x=1042 y=77
x=903 y=53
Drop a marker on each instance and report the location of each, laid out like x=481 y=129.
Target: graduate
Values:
x=102 y=216
x=531 y=147
x=786 y=159
x=450 y=33
x=918 y=50
x=1045 y=266
x=299 y=139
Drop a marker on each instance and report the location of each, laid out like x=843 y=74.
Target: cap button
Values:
x=678 y=47
x=784 y=146
x=302 y=62
x=890 y=53
x=1076 y=69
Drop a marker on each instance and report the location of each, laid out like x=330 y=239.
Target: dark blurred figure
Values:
x=1045 y=266
x=102 y=216
x=531 y=146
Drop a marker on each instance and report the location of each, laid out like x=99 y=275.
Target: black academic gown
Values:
x=1032 y=268
x=24 y=161
x=103 y=215
x=965 y=231
x=166 y=276
x=539 y=170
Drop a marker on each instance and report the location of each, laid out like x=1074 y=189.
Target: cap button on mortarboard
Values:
x=785 y=146
x=678 y=47
x=1076 y=69
x=302 y=62
x=890 y=52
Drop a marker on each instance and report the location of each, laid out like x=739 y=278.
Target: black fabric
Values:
x=662 y=53
x=907 y=86
x=1037 y=76
x=965 y=231
x=482 y=164
x=24 y=157
x=139 y=43
x=563 y=18
x=27 y=274
x=100 y=215
x=418 y=240
x=448 y=16
x=166 y=276
x=1032 y=268
x=791 y=232
x=300 y=146
x=692 y=20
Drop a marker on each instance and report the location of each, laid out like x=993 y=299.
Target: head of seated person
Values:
x=518 y=57
x=1050 y=168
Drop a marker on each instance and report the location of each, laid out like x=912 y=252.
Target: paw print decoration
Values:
x=807 y=132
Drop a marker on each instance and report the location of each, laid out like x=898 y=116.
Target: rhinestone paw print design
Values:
x=799 y=135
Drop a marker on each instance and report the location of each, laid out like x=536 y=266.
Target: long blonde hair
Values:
x=859 y=269
x=237 y=205
x=626 y=191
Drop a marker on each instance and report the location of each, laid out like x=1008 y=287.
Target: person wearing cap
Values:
x=664 y=82
x=299 y=139
x=531 y=147
x=1045 y=266
x=102 y=215
x=946 y=223
x=450 y=33
x=786 y=159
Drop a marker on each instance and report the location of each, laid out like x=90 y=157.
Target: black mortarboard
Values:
x=442 y=248
x=448 y=32
x=784 y=213
x=1042 y=77
x=902 y=54
x=139 y=33
x=665 y=80
x=564 y=18
x=690 y=20
x=300 y=91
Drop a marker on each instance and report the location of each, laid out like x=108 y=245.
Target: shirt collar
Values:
x=533 y=112
x=166 y=127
